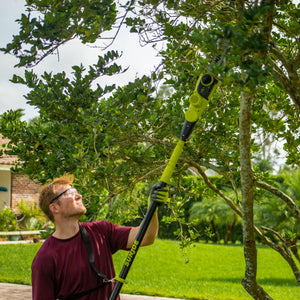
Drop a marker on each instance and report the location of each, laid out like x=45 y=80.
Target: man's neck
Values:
x=66 y=229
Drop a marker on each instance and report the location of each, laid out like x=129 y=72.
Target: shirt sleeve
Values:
x=117 y=236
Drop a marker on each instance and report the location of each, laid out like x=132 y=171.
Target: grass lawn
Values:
x=213 y=271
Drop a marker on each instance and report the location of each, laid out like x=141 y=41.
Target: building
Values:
x=14 y=187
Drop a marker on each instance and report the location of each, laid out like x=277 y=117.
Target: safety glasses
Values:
x=71 y=192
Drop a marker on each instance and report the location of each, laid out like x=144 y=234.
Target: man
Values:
x=61 y=269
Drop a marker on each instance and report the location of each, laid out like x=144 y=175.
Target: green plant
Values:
x=32 y=217
x=8 y=220
x=215 y=212
x=47 y=232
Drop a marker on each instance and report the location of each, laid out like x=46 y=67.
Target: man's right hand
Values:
x=159 y=194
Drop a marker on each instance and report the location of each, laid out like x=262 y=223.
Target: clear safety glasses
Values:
x=68 y=192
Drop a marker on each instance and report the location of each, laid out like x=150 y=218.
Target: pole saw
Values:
x=205 y=87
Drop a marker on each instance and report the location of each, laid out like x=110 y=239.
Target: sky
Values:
x=140 y=60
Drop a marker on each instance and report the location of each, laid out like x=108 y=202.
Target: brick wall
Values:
x=22 y=188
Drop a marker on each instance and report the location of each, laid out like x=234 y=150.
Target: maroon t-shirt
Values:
x=61 y=267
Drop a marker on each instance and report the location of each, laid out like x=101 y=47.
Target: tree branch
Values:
x=289 y=201
x=274 y=232
x=212 y=187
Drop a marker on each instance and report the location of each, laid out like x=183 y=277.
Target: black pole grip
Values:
x=134 y=249
x=187 y=130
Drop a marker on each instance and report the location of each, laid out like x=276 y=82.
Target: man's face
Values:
x=70 y=202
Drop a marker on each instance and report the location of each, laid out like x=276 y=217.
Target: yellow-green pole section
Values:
x=167 y=174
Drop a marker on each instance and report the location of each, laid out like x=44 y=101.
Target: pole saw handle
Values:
x=134 y=249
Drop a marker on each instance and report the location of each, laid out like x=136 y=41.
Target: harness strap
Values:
x=117 y=278
x=90 y=254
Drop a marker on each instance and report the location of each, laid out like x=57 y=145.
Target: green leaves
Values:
x=69 y=112
x=57 y=23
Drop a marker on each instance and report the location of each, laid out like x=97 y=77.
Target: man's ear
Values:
x=54 y=208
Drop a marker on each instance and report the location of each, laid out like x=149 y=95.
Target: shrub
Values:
x=31 y=216
x=8 y=220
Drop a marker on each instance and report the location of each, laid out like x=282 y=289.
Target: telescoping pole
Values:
x=205 y=87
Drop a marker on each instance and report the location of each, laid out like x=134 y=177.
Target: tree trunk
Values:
x=250 y=251
x=293 y=246
x=214 y=227
x=229 y=231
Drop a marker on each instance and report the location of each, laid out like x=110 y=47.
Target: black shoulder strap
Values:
x=90 y=254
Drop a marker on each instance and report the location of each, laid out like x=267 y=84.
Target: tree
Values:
x=215 y=211
x=118 y=141
x=276 y=218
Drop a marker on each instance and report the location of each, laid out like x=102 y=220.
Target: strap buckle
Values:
x=117 y=278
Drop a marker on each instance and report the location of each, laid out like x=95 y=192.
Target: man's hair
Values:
x=48 y=192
